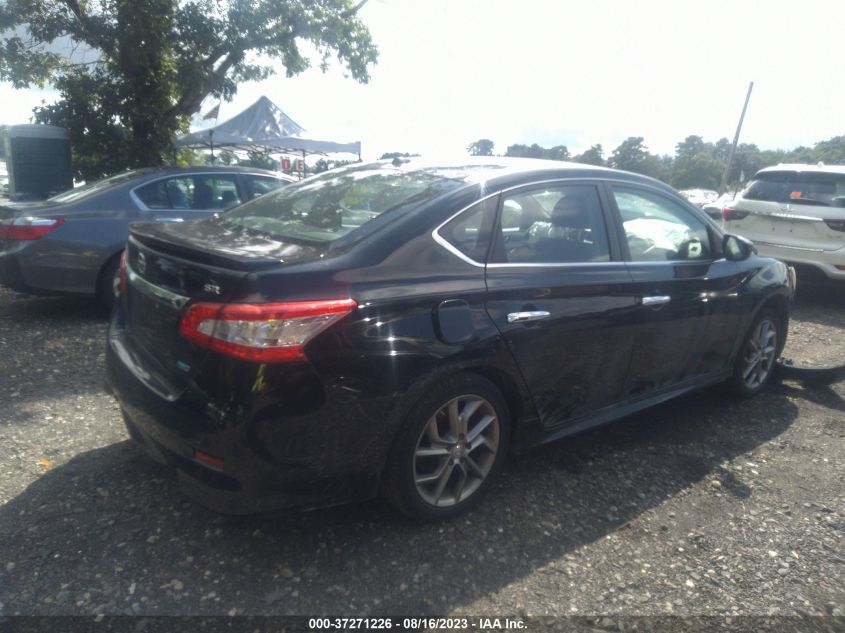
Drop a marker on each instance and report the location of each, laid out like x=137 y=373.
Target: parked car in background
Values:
x=714 y=208
x=72 y=242
x=699 y=197
x=296 y=351
x=795 y=213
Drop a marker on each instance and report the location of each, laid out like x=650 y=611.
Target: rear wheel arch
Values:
x=395 y=485
x=778 y=304
x=105 y=278
x=509 y=389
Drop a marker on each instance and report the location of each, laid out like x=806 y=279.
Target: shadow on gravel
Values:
x=110 y=529
x=823 y=396
x=30 y=308
x=51 y=348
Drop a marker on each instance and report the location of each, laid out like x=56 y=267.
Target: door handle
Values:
x=522 y=317
x=656 y=300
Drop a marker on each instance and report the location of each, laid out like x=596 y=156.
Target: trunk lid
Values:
x=793 y=225
x=172 y=264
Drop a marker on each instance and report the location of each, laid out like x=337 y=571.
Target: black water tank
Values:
x=38 y=161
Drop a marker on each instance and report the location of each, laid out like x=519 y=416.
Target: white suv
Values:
x=795 y=213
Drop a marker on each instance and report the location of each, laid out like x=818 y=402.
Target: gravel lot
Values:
x=704 y=505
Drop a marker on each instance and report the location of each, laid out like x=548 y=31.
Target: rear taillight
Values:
x=836 y=225
x=28 y=228
x=264 y=333
x=729 y=214
x=123 y=281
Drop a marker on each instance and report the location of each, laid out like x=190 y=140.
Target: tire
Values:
x=431 y=474
x=752 y=369
x=106 y=283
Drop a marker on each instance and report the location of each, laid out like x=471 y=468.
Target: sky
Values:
x=566 y=73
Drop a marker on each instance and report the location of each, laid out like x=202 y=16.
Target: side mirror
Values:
x=736 y=248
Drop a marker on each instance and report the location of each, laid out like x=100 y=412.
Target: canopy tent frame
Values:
x=263 y=126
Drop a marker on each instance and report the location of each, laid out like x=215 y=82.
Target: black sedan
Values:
x=71 y=243
x=398 y=328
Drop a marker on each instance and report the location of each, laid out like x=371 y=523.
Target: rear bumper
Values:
x=823 y=261
x=270 y=463
x=24 y=269
x=11 y=275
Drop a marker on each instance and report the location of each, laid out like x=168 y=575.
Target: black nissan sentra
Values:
x=400 y=327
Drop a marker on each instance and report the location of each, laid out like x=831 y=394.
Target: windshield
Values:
x=798 y=188
x=91 y=188
x=325 y=208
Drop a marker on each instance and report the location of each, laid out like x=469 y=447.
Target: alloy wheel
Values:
x=760 y=354
x=456 y=450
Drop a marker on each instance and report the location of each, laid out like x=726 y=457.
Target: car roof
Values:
x=819 y=168
x=167 y=170
x=503 y=171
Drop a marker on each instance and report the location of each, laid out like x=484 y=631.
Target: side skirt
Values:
x=621 y=410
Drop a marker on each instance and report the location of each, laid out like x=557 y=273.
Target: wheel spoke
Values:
x=484 y=441
x=432 y=451
x=478 y=429
x=433 y=432
x=466 y=413
x=454 y=419
x=427 y=479
x=462 y=480
x=474 y=468
x=445 y=476
x=750 y=367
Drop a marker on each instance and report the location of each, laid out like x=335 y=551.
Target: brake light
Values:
x=123 y=280
x=210 y=460
x=836 y=225
x=29 y=228
x=729 y=214
x=261 y=332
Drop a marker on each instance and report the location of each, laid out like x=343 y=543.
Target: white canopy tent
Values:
x=265 y=127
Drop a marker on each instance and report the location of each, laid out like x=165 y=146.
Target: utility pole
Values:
x=724 y=181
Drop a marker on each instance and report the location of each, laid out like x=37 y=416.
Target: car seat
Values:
x=203 y=196
x=567 y=236
x=228 y=198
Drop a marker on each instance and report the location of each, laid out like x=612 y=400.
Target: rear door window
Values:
x=200 y=192
x=552 y=225
x=259 y=185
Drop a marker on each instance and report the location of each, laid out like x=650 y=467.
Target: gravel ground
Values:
x=705 y=505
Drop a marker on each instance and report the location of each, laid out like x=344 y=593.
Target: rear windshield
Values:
x=328 y=207
x=91 y=188
x=798 y=188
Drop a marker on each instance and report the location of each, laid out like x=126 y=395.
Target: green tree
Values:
x=324 y=165
x=700 y=170
x=157 y=60
x=481 y=147
x=831 y=151
x=389 y=155
x=633 y=155
x=592 y=156
x=260 y=160
x=696 y=165
x=558 y=152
